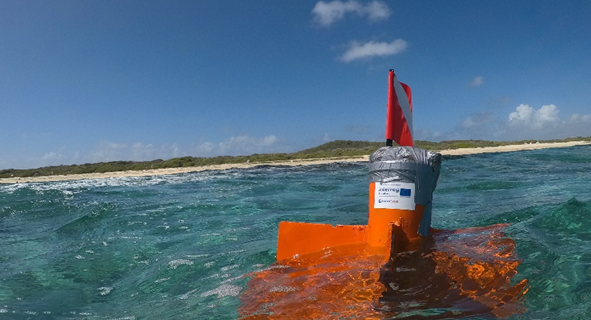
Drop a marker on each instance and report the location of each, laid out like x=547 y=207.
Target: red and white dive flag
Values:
x=399 y=117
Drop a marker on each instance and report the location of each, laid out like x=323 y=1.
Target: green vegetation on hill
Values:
x=339 y=148
x=333 y=149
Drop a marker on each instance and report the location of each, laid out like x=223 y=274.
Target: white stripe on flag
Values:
x=404 y=105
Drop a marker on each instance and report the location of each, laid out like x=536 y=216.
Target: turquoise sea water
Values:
x=183 y=246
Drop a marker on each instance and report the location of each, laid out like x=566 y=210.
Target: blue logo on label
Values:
x=404 y=192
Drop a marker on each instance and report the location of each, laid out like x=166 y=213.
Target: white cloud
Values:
x=205 y=148
x=370 y=49
x=525 y=123
x=108 y=151
x=377 y=10
x=51 y=156
x=327 y=13
x=545 y=123
x=468 y=123
x=244 y=144
x=141 y=151
x=477 y=81
x=577 y=118
x=526 y=116
x=238 y=145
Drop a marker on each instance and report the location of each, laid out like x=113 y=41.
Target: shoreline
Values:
x=302 y=162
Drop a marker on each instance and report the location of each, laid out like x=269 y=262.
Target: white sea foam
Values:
x=226 y=268
x=195 y=256
x=185 y=296
x=103 y=291
x=223 y=291
x=70 y=187
x=179 y=262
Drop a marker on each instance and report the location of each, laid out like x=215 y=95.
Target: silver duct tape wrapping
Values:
x=411 y=165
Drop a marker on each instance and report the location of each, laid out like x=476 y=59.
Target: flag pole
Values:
x=389 y=121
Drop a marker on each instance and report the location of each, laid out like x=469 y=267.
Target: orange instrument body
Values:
x=400 y=193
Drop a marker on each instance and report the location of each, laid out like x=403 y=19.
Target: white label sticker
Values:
x=395 y=195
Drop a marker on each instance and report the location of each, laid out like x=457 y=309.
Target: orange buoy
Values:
x=402 y=181
x=394 y=265
x=400 y=192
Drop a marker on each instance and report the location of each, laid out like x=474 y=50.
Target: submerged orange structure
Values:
x=451 y=274
x=396 y=266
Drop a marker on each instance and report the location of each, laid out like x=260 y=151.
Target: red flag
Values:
x=399 y=117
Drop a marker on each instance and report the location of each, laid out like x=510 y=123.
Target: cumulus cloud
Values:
x=327 y=13
x=107 y=151
x=51 y=156
x=205 y=147
x=357 y=50
x=577 y=118
x=239 y=145
x=477 y=81
x=142 y=151
x=524 y=123
x=545 y=123
x=244 y=144
x=527 y=116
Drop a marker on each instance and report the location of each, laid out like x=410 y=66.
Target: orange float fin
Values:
x=297 y=238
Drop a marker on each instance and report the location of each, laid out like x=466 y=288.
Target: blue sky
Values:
x=89 y=81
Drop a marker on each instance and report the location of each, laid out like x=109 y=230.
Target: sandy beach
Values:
x=155 y=172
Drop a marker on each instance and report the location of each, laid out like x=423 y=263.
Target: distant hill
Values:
x=333 y=149
x=340 y=148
